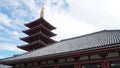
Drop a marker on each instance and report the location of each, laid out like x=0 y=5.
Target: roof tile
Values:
x=97 y=39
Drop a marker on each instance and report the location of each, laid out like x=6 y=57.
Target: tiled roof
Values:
x=97 y=39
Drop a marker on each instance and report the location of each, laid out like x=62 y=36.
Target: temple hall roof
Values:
x=94 y=40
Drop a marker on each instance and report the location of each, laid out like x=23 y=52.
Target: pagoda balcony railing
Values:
x=35 y=37
x=32 y=46
x=39 y=28
x=33 y=43
x=46 y=29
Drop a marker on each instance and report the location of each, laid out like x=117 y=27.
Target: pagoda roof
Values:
x=34 y=45
x=38 y=36
x=39 y=28
x=39 y=21
x=97 y=40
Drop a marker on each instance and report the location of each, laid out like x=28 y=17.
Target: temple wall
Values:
x=95 y=61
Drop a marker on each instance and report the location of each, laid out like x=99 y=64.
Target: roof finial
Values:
x=42 y=11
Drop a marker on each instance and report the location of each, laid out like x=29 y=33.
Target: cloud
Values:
x=96 y=12
x=67 y=25
x=10 y=47
x=113 y=7
x=32 y=7
x=5 y=19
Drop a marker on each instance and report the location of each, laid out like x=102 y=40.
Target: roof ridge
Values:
x=70 y=39
x=112 y=37
x=89 y=34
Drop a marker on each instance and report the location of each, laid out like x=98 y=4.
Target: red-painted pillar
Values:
x=56 y=61
x=76 y=65
x=56 y=66
x=105 y=64
x=80 y=66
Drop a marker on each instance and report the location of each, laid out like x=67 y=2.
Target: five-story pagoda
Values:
x=39 y=34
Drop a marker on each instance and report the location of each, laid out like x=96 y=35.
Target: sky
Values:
x=70 y=17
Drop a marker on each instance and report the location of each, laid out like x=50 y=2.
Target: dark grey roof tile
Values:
x=93 y=40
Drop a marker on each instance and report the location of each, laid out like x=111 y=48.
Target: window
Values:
x=66 y=66
x=61 y=60
x=95 y=57
x=91 y=65
x=50 y=62
x=43 y=62
x=70 y=59
x=115 y=64
x=49 y=67
x=84 y=58
x=113 y=54
x=29 y=64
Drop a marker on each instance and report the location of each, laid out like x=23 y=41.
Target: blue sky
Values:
x=71 y=17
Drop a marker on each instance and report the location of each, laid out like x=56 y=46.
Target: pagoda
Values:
x=39 y=34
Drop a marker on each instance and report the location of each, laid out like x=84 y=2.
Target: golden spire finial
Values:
x=42 y=11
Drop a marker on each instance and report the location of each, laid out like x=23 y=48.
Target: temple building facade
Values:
x=96 y=50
